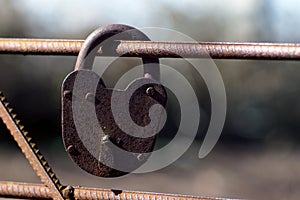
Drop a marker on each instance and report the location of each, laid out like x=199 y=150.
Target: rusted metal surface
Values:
x=91 y=144
x=29 y=148
x=105 y=37
x=216 y=50
x=37 y=191
x=144 y=97
x=101 y=102
x=24 y=190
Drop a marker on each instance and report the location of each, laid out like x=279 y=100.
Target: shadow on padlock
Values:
x=109 y=132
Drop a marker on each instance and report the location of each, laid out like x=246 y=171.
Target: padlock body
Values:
x=92 y=136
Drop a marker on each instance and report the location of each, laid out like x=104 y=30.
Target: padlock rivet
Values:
x=72 y=150
x=91 y=98
x=140 y=157
x=68 y=94
x=105 y=139
x=150 y=91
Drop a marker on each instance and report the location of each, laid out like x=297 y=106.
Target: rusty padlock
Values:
x=109 y=132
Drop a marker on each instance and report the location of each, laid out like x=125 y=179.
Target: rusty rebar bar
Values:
x=215 y=50
x=38 y=191
x=30 y=150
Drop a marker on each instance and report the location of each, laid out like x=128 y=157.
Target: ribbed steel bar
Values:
x=215 y=50
x=30 y=150
x=37 y=191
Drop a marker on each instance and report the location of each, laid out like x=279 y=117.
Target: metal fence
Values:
x=52 y=187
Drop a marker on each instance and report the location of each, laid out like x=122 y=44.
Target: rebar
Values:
x=38 y=191
x=30 y=150
x=151 y=49
x=145 y=49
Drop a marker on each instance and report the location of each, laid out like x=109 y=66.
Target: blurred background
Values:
x=257 y=156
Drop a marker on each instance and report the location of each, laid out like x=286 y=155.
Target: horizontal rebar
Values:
x=38 y=191
x=215 y=50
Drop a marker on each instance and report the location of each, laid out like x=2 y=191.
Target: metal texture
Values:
x=146 y=49
x=37 y=191
x=99 y=99
x=105 y=37
x=88 y=144
x=29 y=148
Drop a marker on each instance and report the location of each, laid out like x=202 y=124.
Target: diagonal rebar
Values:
x=30 y=150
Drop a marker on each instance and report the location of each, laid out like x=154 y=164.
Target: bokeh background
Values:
x=257 y=156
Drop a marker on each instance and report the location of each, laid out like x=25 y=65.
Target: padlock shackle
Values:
x=91 y=45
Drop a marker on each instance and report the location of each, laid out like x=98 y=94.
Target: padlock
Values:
x=109 y=132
